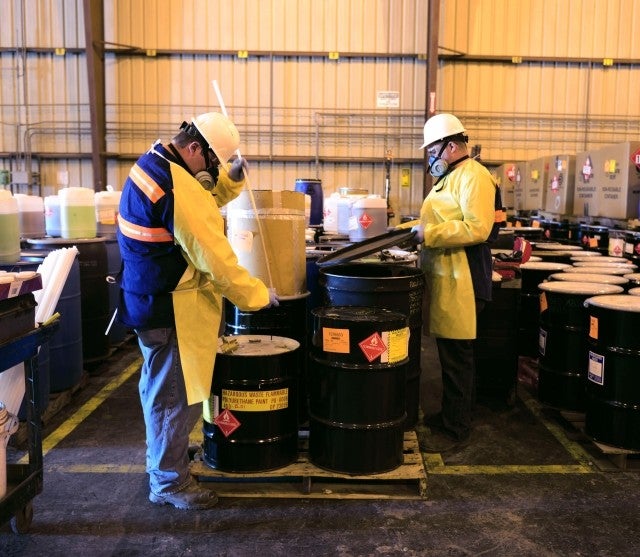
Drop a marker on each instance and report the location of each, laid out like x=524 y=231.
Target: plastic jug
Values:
x=30 y=215
x=368 y=218
x=52 y=216
x=107 y=204
x=77 y=213
x=9 y=228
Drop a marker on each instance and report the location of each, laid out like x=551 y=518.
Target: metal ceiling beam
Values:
x=94 y=39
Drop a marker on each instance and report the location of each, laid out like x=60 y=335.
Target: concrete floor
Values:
x=527 y=484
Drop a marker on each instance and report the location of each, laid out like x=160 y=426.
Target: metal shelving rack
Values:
x=24 y=481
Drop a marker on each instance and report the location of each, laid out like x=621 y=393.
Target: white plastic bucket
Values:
x=77 y=213
x=9 y=228
x=279 y=232
x=30 y=215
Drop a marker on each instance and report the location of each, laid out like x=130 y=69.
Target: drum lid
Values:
x=556 y=246
x=601 y=259
x=590 y=277
x=619 y=270
x=619 y=302
x=600 y=263
x=367 y=247
x=255 y=345
x=588 y=288
x=544 y=266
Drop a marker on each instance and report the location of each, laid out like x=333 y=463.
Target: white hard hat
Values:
x=440 y=126
x=220 y=133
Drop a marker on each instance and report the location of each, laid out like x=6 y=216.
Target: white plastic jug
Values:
x=77 y=213
x=30 y=215
x=368 y=218
x=9 y=228
x=107 y=206
x=52 y=216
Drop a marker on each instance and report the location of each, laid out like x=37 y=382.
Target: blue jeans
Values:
x=167 y=417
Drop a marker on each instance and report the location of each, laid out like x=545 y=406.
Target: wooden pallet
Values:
x=623 y=459
x=305 y=480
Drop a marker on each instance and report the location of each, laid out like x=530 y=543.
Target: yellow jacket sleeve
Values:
x=226 y=189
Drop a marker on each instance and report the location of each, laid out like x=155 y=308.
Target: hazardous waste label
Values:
x=255 y=401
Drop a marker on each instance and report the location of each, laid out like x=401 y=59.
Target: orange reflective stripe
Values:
x=143 y=233
x=148 y=186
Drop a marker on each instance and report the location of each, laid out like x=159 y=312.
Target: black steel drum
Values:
x=612 y=414
x=562 y=364
x=251 y=423
x=357 y=383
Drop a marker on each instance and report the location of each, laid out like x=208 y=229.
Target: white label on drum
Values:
x=542 y=341
x=596 y=368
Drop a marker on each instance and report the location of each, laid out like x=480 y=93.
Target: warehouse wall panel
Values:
x=305 y=96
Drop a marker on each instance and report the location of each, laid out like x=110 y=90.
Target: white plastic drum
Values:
x=612 y=411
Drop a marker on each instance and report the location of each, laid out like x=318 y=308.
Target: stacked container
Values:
x=9 y=228
x=560 y=184
x=30 y=215
x=77 y=213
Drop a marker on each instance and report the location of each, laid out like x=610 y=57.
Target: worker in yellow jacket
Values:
x=459 y=219
x=177 y=264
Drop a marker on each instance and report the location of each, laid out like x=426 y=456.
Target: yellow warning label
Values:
x=335 y=340
x=397 y=344
x=593 y=327
x=255 y=401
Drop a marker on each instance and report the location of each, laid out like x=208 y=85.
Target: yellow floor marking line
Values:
x=574 y=449
x=434 y=464
x=85 y=410
x=98 y=468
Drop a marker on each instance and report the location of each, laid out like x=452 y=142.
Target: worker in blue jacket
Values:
x=177 y=266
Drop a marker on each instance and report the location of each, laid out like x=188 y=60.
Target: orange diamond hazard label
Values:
x=227 y=422
x=365 y=220
x=372 y=347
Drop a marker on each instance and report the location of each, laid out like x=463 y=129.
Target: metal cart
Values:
x=24 y=481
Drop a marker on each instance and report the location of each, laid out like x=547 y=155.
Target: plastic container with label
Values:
x=77 y=213
x=52 y=216
x=107 y=204
x=30 y=215
x=9 y=228
x=368 y=218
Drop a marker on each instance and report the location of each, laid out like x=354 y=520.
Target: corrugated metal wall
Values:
x=305 y=97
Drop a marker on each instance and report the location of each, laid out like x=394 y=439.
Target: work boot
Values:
x=191 y=497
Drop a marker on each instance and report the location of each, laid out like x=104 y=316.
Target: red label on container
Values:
x=365 y=221
x=372 y=347
x=227 y=422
